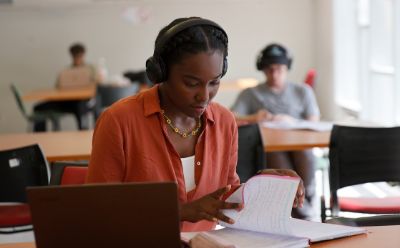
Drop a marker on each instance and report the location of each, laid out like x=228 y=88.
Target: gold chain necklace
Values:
x=178 y=131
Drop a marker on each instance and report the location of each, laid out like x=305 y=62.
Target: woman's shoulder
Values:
x=129 y=107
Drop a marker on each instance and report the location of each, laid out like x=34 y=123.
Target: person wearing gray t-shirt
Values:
x=279 y=100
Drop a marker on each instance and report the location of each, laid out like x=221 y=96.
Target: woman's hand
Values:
x=299 y=199
x=209 y=208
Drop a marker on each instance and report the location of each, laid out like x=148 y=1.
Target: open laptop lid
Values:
x=105 y=215
x=76 y=77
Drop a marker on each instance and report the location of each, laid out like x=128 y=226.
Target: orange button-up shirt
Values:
x=131 y=144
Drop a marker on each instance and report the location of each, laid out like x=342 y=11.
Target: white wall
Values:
x=325 y=58
x=35 y=39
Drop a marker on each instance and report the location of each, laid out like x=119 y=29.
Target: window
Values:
x=367 y=52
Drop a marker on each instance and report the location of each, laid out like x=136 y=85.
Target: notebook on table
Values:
x=265 y=219
x=105 y=215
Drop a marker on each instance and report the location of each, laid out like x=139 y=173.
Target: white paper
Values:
x=267 y=202
x=265 y=219
x=317 y=231
x=248 y=239
x=319 y=126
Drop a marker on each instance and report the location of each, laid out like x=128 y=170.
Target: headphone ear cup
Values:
x=224 y=67
x=259 y=61
x=289 y=63
x=154 y=70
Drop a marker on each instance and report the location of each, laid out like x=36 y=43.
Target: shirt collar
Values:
x=151 y=105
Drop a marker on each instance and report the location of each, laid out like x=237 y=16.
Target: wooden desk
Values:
x=292 y=140
x=77 y=145
x=60 y=95
x=379 y=236
x=74 y=145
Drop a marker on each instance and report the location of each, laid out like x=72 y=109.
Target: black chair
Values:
x=53 y=116
x=19 y=168
x=251 y=156
x=108 y=94
x=360 y=155
x=139 y=77
x=379 y=220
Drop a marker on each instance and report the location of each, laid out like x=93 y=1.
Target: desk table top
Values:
x=65 y=145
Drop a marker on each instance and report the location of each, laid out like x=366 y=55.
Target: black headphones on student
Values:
x=155 y=66
x=273 y=54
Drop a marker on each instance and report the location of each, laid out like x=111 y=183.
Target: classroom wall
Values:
x=35 y=38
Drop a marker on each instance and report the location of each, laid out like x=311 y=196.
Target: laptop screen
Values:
x=76 y=77
x=105 y=215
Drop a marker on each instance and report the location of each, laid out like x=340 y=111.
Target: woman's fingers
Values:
x=220 y=192
x=224 y=218
x=300 y=194
x=209 y=217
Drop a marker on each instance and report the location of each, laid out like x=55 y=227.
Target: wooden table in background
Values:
x=60 y=95
x=292 y=140
x=378 y=236
x=71 y=145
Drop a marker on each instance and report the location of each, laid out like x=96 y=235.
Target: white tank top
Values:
x=188 y=172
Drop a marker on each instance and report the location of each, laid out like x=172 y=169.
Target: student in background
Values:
x=280 y=100
x=78 y=75
x=173 y=131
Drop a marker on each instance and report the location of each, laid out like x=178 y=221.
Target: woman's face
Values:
x=193 y=82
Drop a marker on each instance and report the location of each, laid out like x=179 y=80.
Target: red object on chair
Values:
x=387 y=205
x=310 y=77
x=15 y=215
x=74 y=175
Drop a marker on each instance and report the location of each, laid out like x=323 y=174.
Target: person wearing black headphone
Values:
x=280 y=100
x=173 y=131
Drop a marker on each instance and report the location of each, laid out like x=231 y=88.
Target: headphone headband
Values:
x=274 y=54
x=171 y=32
x=156 y=68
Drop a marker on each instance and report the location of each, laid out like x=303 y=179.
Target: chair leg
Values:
x=323 y=209
x=56 y=124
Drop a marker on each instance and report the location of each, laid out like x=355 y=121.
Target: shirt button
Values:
x=198 y=163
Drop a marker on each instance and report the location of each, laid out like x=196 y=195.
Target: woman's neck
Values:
x=177 y=117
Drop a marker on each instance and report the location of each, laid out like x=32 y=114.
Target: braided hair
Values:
x=193 y=40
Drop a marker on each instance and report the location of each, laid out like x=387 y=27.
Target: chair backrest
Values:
x=138 y=77
x=251 y=156
x=74 y=175
x=363 y=154
x=68 y=173
x=108 y=94
x=20 y=168
x=19 y=100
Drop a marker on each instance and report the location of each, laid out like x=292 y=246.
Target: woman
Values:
x=173 y=132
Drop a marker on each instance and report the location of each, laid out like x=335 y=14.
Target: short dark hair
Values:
x=192 y=40
x=76 y=49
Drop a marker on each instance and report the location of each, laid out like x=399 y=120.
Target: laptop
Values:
x=105 y=215
x=76 y=77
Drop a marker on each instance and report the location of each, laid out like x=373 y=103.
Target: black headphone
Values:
x=274 y=54
x=155 y=66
